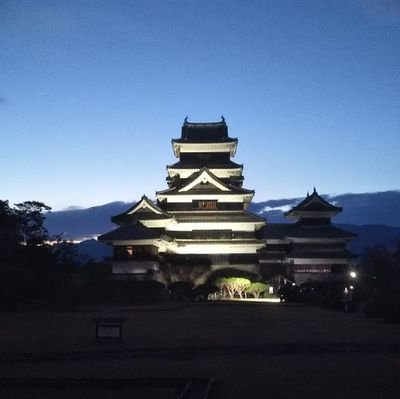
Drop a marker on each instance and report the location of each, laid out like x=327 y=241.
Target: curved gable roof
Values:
x=132 y=231
x=314 y=203
x=204 y=132
x=143 y=210
x=204 y=177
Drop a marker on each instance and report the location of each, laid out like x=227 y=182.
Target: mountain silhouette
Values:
x=375 y=217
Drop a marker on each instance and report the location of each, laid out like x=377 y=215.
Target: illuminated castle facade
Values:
x=312 y=248
x=201 y=220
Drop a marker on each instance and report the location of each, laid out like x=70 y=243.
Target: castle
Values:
x=201 y=224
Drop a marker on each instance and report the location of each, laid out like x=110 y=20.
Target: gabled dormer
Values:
x=313 y=207
x=224 y=169
x=204 y=180
x=145 y=211
x=204 y=184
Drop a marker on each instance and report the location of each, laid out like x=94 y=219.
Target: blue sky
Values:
x=91 y=93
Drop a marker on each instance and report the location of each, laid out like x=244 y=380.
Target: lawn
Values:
x=237 y=349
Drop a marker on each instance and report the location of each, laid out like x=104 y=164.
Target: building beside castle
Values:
x=201 y=221
x=309 y=249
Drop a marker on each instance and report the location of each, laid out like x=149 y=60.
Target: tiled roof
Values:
x=210 y=165
x=320 y=254
x=129 y=218
x=314 y=203
x=275 y=256
x=219 y=242
x=148 y=214
x=206 y=188
x=220 y=217
x=330 y=231
x=199 y=138
x=281 y=230
x=275 y=230
x=205 y=132
x=133 y=231
x=207 y=191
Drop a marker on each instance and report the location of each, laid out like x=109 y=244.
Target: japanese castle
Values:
x=201 y=221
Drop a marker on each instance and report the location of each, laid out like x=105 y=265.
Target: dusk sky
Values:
x=92 y=92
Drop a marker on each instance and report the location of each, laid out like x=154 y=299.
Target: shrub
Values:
x=201 y=292
x=180 y=290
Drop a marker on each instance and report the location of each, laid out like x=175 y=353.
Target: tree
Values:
x=67 y=255
x=376 y=265
x=21 y=234
x=31 y=222
x=223 y=284
x=256 y=289
x=171 y=273
x=8 y=219
x=27 y=264
x=9 y=238
x=180 y=290
x=233 y=285
x=379 y=282
x=202 y=292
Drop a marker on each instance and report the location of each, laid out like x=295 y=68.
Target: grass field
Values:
x=215 y=350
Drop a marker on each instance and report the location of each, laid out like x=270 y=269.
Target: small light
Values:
x=352 y=287
x=353 y=274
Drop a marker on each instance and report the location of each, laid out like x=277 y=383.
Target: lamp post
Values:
x=353 y=274
x=349 y=289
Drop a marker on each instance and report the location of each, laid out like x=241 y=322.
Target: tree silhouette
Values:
x=31 y=222
x=233 y=285
x=256 y=289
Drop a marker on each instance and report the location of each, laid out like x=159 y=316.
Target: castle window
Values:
x=207 y=204
x=212 y=234
x=312 y=269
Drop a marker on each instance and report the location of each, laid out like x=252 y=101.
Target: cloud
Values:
x=282 y=208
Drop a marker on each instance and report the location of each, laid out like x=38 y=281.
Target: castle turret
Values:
x=202 y=216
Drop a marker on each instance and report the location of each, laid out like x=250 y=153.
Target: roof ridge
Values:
x=221 y=122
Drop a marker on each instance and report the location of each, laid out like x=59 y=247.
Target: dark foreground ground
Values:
x=214 y=350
